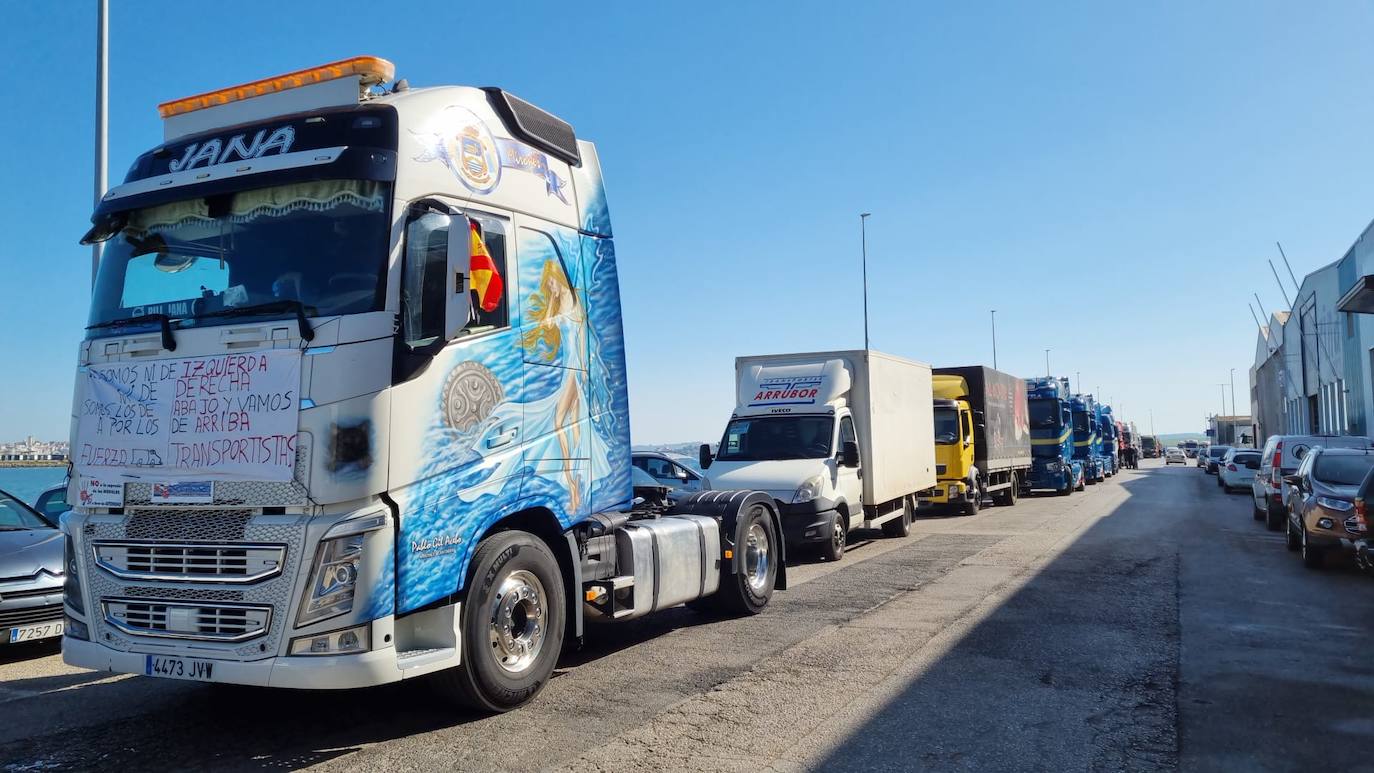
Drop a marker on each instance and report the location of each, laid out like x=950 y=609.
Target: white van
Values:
x=1281 y=456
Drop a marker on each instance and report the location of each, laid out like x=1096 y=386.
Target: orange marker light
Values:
x=729 y=554
x=372 y=69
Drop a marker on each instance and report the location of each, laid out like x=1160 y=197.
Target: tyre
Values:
x=512 y=624
x=1273 y=519
x=899 y=527
x=974 y=503
x=833 y=548
x=1082 y=484
x=747 y=591
x=1312 y=558
x=1255 y=510
x=1291 y=539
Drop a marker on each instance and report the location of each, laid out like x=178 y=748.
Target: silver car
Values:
x=671 y=470
x=31 y=563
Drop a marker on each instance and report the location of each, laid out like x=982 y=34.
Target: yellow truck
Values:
x=982 y=438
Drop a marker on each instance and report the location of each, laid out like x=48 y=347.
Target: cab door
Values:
x=849 y=480
x=456 y=416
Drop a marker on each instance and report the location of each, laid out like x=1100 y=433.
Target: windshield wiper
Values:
x=307 y=332
x=168 y=342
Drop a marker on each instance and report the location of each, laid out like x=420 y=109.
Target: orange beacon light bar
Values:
x=371 y=69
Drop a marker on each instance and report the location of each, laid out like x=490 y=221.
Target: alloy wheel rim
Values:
x=757 y=556
x=517 y=621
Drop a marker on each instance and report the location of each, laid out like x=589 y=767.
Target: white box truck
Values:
x=841 y=440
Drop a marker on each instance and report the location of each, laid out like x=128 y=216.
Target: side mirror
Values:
x=849 y=454
x=704 y=455
x=456 y=306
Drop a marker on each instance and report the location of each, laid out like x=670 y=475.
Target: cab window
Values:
x=847 y=432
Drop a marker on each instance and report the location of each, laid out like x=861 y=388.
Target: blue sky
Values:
x=1110 y=177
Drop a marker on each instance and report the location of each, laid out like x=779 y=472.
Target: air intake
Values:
x=543 y=130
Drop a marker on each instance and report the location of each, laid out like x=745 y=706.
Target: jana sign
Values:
x=228 y=416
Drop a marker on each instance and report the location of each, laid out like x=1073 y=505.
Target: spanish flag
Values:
x=486 y=280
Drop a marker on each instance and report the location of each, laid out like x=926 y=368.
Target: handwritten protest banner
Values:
x=226 y=416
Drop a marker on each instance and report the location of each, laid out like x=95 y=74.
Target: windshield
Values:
x=322 y=244
x=1216 y=452
x=1080 y=422
x=1044 y=414
x=15 y=515
x=1342 y=470
x=946 y=425
x=777 y=437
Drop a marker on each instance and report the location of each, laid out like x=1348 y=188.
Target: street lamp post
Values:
x=863 y=241
x=994 y=339
x=1047 y=364
x=1223 y=398
x=102 y=39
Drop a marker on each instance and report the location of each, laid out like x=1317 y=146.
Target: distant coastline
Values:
x=36 y=463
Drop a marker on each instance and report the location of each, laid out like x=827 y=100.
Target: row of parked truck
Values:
x=352 y=408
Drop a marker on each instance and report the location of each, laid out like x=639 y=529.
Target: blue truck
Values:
x=1053 y=463
x=1087 y=440
x=1110 y=438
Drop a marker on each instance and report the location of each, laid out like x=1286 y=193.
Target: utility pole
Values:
x=1047 y=364
x=102 y=39
x=1223 y=399
x=994 y=339
x=863 y=241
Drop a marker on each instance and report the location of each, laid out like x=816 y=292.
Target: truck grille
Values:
x=177 y=620
x=29 y=615
x=189 y=561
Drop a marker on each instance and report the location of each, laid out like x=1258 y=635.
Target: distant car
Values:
x=1212 y=457
x=1175 y=456
x=1321 y=502
x=31 y=563
x=52 y=503
x=1236 y=470
x=671 y=470
x=648 y=490
x=1281 y=455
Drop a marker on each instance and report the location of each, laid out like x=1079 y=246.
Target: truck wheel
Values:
x=512 y=624
x=1010 y=493
x=833 y=548
x=975 y=501
x=748 y=590
x=900 y=527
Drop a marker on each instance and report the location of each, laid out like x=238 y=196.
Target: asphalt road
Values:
x=1145 y=624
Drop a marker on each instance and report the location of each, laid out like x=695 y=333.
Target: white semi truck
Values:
x=352 y=408
x=840 y=440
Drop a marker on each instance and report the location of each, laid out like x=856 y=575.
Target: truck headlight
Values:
x=71 y=582
x=334 y=580
x=809 y=490
x=346 y=642
x=1053 y=465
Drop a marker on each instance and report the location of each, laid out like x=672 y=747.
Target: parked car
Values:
x=671 y=470
x=1321 y=499
x=31 y=564
x=1212 y=457
x=648 y=490
x=1364 y=550
x=52 y=503
x=1236 y=470
x=1175 y=456
x=1281 y=456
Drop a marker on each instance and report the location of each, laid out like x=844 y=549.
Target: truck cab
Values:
x=954 y=444
x=1087 y=440
x=352 y=406
x=1055 y=466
